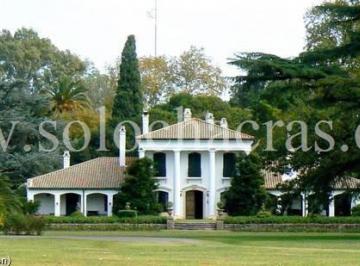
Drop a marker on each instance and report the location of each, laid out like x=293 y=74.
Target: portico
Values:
x=194 y=152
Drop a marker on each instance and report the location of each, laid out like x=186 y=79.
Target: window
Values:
x=194 y=168
x=229 y=165
x=160 y=164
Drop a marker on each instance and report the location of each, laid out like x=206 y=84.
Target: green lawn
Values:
x=182 y=248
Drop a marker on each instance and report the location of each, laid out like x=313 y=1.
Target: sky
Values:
x=97 y=29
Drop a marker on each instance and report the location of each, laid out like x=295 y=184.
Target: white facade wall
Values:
x=169 y=147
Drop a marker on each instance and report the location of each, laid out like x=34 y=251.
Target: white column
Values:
x=109 y=204
x=30 y=196
x=331 y=205
x=212 y=185
x=141 y=153
x=176 y=190
x=304 y=205
x=57 y=204
x=83 y=204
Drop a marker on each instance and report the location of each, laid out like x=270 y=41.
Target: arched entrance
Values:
x=70 y=203
x=96 y=204
x=343 y=204
x=194 y=204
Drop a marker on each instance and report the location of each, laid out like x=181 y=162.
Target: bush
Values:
x=20 y=224
x=263 y=214
x=355 y=211
x=30 y=207
x=35 y=225
x=77 y=214
x=126 y=213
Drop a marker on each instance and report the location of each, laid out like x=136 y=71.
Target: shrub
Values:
x=23 y=224
x=263 y=214
x=355 y=211
x=35 y=225
x=14 y=224
x=126 y=213
x=30 y=207
x=77 y=214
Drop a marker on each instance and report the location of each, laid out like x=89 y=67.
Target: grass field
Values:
x=182 y=248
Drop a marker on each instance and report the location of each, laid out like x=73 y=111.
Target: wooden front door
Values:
x=190 y=206
x=194 y=204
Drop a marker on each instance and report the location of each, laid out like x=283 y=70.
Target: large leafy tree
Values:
x=21 y=113
x=157 y=79
x=322 y=83
x=128 y=102
x=138 y=188
x=192 y=72
x=246 y=194
x=35 y=60
x=195 y=73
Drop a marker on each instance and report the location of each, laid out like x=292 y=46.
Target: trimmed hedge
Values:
x=291 y=220
x=305 y=227
x=106 y=220
x=106 y=227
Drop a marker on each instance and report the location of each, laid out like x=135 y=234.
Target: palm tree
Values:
x=68 y=96
x=8 y=200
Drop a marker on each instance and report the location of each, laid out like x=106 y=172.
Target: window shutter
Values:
x=229 y=164
x=160 y=164
x=194 y=165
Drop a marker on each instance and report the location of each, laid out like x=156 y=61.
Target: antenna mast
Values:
x=156 y=26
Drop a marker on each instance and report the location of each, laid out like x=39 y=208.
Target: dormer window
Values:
x=194 y=165
x=160 y=164
x=229 y=165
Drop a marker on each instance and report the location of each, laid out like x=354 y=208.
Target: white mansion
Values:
x=194 y=160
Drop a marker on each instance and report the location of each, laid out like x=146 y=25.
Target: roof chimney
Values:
x=66 y=158
x=187 y=114
x=223 y=123
x=122 y=146
x=145 y=122
x=209 y=118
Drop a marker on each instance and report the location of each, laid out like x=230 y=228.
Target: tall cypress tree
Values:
x=128 y=102
x=247 y=194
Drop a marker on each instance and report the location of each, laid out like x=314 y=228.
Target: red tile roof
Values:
x=99 y=173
